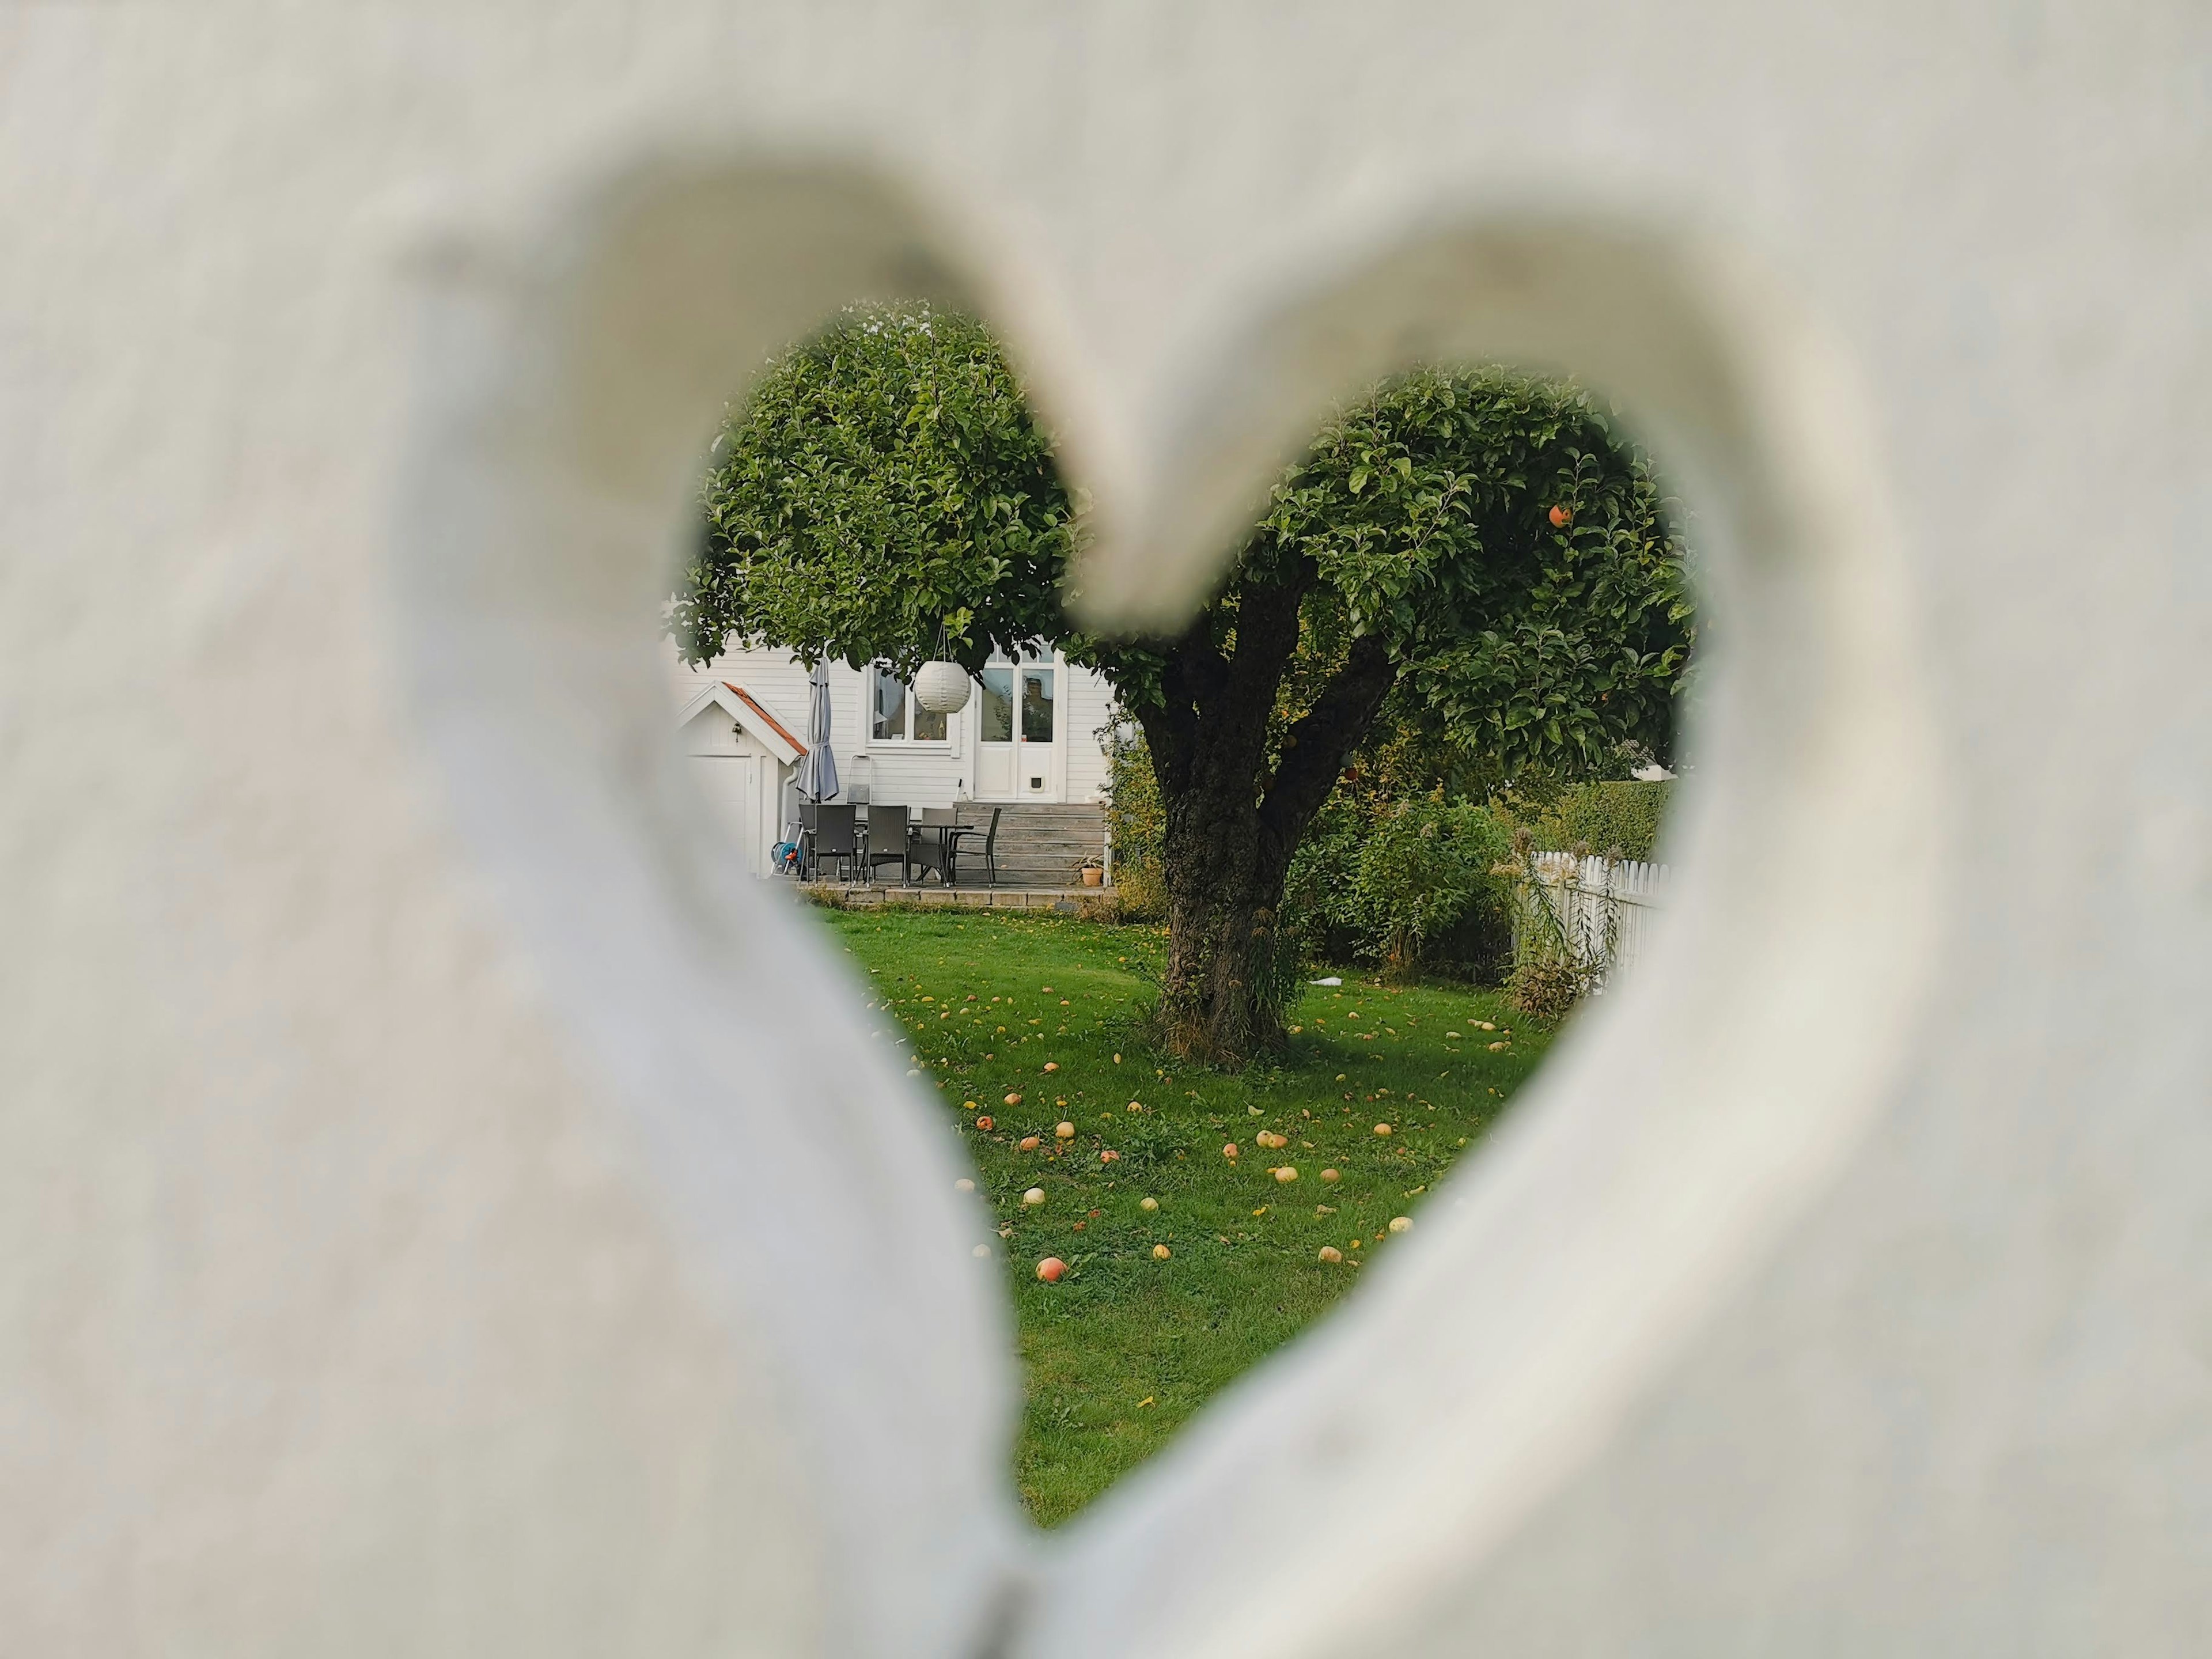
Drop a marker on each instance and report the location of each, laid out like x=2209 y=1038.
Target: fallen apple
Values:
x=984 y=1123
x=1230 y=1151
x=1051 y=1269
x=1030 y=1143
x=1160 y=1252
x=1148 y=1204
x=1381 y=1128
x=1013 y=1100
x=1288 y=1172
x=1331 y=1175
x=1063 y=1131
x=1052 y=1065
x=1109 y=1156
x=1401 y=1224
x=1032 y=1198
x=1330 y=1253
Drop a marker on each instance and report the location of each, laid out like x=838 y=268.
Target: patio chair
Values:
x=887 y=839
x=834 y=834
x=932 y=840
x=989 y=840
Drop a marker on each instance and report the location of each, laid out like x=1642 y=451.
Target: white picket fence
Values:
x=1604 y=911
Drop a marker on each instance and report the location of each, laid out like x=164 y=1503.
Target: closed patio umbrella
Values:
x=817 y=772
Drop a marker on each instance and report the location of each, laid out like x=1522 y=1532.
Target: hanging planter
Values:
x=942 y=688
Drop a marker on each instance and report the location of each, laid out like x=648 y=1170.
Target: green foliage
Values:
x=883 y=480
x=1423 y=865
x=1620 y=818
x=1426 y=510
x=1383 y=879
x=1136 y=825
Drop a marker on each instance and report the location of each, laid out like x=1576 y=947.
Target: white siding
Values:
x=1090 y=703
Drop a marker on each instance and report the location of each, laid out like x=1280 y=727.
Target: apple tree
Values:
x=1489 y=546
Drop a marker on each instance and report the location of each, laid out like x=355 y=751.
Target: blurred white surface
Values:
x=439 y=1213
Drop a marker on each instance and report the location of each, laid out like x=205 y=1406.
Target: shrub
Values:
x=1320 y=908
x=1545 y=991
x=1423 y=865
x=1136 y=824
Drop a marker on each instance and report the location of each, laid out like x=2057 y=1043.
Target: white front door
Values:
x=1018 y=753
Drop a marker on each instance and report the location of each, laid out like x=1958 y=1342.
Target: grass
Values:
x=1126 y=1346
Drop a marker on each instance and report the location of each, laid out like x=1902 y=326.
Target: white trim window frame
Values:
x=893 y=721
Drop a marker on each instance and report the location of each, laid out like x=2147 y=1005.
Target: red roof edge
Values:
x=774 y=724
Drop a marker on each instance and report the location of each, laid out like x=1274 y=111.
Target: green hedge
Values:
x=1607 y=817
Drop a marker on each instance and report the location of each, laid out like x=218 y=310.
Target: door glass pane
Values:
x=998 y=705
x=888 y=700
x=1036 y=705
x=928 y=727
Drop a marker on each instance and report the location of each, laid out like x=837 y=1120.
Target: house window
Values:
x=893 y=714
x=998 y=705
x=1036 y=705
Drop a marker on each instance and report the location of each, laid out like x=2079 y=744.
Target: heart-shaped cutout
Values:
x=570 y=375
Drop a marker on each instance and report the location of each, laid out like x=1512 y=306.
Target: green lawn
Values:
x=1126 y=1346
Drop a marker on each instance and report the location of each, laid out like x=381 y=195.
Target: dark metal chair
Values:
x=988 y=838
x=887 y=841
x=833 y=834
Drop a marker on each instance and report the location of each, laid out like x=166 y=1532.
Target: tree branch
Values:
x=1319 y=743
x=1267 y=639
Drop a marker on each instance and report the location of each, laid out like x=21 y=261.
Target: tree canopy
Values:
x=883 y=480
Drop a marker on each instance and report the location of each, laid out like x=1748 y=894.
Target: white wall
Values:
x=445 y=1210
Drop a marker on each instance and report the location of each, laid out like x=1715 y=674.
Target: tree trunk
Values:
x=1230 y=833
x=1223 y=894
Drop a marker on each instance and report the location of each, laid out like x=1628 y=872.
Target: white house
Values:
x=1028 y=736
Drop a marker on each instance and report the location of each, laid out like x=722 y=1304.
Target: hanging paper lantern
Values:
x=941 y=687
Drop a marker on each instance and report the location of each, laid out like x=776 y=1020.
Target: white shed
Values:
x=742 y=757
